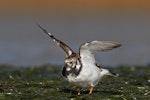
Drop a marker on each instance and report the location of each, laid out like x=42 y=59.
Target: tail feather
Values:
x=109 y=73
x=113 y=74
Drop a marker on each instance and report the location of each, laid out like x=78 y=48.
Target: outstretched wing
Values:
x=65 y=47
x=87 y=50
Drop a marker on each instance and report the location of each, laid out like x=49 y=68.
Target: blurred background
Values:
x=22 y=43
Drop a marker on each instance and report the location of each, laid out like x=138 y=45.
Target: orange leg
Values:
x=91 y=90
x=79 y=92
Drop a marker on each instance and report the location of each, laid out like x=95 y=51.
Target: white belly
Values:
x=89 y=76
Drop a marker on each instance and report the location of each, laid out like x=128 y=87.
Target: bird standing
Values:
x=81 y=68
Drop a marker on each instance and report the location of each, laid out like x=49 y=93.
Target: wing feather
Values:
x=68 y=51
x=87 y=49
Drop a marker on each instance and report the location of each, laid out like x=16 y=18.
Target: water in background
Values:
x=23 y=43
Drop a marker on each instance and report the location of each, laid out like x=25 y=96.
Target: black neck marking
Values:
x=73 y=71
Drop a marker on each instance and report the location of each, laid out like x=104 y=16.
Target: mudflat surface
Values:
x=45 y=83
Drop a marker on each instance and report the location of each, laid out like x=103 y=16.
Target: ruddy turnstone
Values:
x=81 y=68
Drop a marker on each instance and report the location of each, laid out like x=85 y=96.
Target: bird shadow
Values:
x=69 y=91
x=75 y=92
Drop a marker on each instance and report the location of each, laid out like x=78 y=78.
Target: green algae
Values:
x=45 y=83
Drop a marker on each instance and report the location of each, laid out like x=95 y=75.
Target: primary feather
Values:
x=68 y=51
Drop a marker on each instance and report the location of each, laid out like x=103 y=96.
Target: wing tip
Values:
x=117 y=45
x=44 y=30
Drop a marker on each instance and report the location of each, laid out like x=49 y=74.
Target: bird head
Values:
x=72 y=60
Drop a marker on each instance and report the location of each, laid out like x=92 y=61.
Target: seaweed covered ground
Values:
x=45 y=83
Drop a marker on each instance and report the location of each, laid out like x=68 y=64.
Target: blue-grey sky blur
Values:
x=74 y=22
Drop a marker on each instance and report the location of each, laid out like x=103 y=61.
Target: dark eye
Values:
x=70 y=63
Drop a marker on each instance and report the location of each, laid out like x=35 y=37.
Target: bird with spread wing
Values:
x=81 y=68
